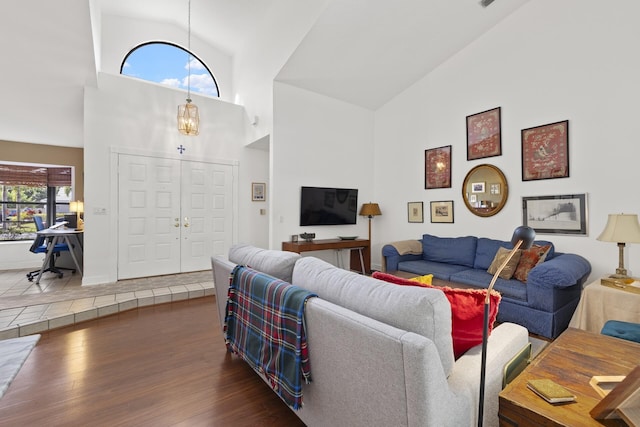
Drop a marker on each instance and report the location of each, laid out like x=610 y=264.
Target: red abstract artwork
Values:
x=483 y=135
x=437 y=167
x=545 y=151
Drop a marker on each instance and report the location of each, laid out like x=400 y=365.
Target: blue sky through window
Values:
x=167 y=64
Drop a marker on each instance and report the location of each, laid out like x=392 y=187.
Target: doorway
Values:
x=173 y=214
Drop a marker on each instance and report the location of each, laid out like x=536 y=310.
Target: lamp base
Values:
x=619 y=276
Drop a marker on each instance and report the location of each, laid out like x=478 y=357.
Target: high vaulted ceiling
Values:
x=364 y=52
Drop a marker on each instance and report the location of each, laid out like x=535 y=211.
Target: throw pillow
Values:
x=510 y=268
x=529 y=259
x=467 y=311
x=426 y=279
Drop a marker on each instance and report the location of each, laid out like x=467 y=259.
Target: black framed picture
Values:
x=565 y=214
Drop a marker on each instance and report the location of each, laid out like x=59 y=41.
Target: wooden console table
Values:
x=360 y=257
x=571 y=360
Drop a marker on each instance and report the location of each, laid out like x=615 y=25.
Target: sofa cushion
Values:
x=509 y=268
x=467 y=311
x=278 y=264
x=450 y=250
x=529 y=259
x=439 y=270
x=486 y=250
x=423 y=311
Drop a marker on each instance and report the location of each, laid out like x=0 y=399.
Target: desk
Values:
x=571 y=360
x=362 y=257
x=599 y=303
x=61 y=235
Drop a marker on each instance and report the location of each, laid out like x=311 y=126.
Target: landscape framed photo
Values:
x=545 y=151
x=415 y=211
x=477 y=187
x=258 y=191
x=483 y=134
x=437 y=167
x=565 y=214
x=442 y=211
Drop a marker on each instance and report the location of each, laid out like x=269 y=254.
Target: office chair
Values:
x=39 y=246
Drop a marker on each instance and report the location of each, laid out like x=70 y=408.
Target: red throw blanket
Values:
x=264 y=326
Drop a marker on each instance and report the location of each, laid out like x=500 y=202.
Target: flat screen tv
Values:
x=328 y=206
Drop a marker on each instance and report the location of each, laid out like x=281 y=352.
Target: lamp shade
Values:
x=525 y=234
x=370 y=209
x=76 y=206
x=621 y=228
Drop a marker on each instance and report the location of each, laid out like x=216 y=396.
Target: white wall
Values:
x=256 y=66
x=317 y=141
x=549 y=61
x=127 y=114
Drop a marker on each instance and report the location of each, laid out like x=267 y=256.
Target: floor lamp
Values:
x=370 y=210
x=522 y=239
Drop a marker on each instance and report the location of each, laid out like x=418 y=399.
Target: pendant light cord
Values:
x=189 y=55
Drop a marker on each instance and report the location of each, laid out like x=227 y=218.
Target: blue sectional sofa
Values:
x=543 y=304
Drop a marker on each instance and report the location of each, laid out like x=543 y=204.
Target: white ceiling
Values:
x=361 y=51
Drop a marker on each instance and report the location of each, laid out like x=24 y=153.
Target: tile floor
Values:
x=27 y=308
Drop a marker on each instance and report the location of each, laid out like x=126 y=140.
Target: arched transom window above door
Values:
x=168 y=64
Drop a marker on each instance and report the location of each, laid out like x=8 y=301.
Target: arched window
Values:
x=167 y=64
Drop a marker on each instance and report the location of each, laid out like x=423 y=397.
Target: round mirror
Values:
x=485 y=190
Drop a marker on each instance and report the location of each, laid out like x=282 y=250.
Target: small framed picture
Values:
x=442 y=211
x=483 y=135
x=477 y=187
x=494 y=188
x=437 y=167
x=545 y=151
x=473 y=198
x=258 y=191
x=415 y=211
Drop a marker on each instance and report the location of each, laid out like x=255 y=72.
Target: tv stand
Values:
x=360 y=258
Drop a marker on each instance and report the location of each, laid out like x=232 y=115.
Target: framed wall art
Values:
x=477 y=187
x=565 y=214
x=483 y=135
x=545 y=151
x=415 y=211
x=437 y=167
x=442 y=211
x=258 y=191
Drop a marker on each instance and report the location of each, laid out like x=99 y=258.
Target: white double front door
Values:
x=173 y=215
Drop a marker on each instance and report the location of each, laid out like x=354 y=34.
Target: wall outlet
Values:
x=99 y=211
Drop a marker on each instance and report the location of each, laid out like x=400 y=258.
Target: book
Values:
x=551 y=391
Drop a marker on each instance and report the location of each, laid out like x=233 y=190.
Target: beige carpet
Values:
x=13 y=353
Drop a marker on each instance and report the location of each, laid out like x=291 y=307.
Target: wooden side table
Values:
x=571 y=360
x=360 y=257
x=600 y=303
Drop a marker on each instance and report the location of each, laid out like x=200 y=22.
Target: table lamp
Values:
x=621 y=229
x=77 y=207
x=522 y=239
x=370 y=210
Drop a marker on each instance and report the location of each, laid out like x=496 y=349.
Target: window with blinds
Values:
x=28 y=190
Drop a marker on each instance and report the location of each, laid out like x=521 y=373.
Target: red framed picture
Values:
x=545 y=151
x=437 y=167
x=483 y=135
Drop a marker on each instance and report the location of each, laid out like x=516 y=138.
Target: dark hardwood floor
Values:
x=163 y=365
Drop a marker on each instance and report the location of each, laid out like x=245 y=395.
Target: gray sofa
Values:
x=380 y=354
x=544 y=304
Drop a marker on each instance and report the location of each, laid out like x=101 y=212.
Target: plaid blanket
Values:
x=264 y=326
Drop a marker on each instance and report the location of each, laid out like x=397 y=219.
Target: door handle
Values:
x=177 y=222
x=186 y=221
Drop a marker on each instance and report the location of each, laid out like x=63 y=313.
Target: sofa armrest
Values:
x=391 y=257
x=561 y=271
x=221 y=269
x=505 y=341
